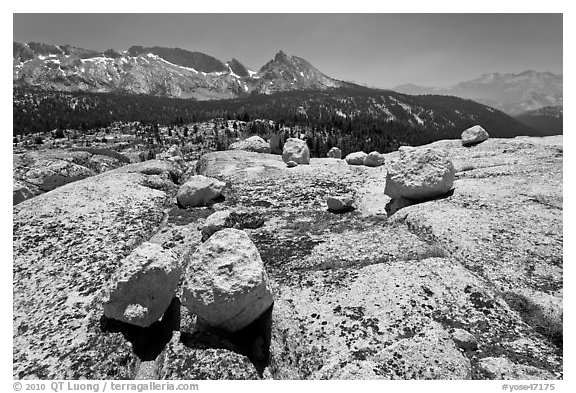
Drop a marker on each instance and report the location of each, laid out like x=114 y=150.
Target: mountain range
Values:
x=169 y=72
x=173 y=73
x=513 y=94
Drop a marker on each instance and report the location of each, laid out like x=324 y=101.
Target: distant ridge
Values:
x=512 y=93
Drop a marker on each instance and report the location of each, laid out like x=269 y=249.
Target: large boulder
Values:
x=226 y=284
x=374 y=159
x=356 y=158
x=334 y=153
x=296 y=150
x=199 y=191
x=142 y=289
x=420 y=174
x=474 y=135
x=254 y=143
x=67 y=244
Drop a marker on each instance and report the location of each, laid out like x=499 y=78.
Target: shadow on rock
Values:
x=147 y=342
x=342 y=211
x=399 y=203
x=253 y=341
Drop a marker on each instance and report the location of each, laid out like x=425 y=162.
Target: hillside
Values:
x=548 y=120
x=371 y=119
x=510 y=93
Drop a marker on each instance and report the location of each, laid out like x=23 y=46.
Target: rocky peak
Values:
x=282 y=57
x=238 y=68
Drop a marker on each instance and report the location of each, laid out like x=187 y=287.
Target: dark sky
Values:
x=379 y=50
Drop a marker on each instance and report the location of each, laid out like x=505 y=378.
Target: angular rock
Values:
x=199 y=191
x=334 y=153
x=296 y=150
x=420 y=174
x=464 y=340
x=291 y=164
x=215 y=222
x=339 y=203
x=356 y=158
x=502 y=368
x=374 y=159
x=142 y=289
x=230 y=219
x=226 y=284
x=254 y=144
x=474 y=135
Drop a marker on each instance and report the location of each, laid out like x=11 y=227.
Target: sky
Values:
x=376 y=50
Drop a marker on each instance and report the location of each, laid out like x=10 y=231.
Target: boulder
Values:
x=230 y=219
x=89 y=227
x=296 y=150
x=199 y=191
x=142 y=289
x=356 y=158
x=254 y=144
x=215 y=222
x=174 y=151
x=20 y=192
x=50 y=174
x=474 y=135
x=334 y=153
x=420 y=174
x=464 y=340
x=291 y=164
x=339 y=203
x=100 y=163
x=374 y=159
x=226 y=284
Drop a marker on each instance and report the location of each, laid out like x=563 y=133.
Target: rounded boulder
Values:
x=199 y=191
x=474 y=135
x=356 y=158
x=334 y=153
x=254 y=144
x=374 y=159
x=296 y=150
x=226 y=284
x=420 y=174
